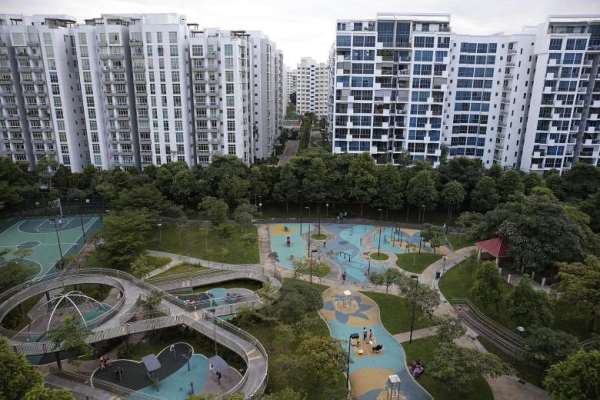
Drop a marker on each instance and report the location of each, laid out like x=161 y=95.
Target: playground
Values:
x=374 y=360
x=174 y=373
x=346 y=247
x=48 y=239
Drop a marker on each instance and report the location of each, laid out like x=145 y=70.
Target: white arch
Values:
x=56 y=306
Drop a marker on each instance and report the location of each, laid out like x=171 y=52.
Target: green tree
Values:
x=244 y=214
x=319 y=363
x=150 y=304
x=576 y=378
x=528 y=307
x=434 y=235
x=470 y=224
x=449 y=329
x=453 y=196
x=580 y=289
x=530 y=181
x=70 y=337
x=361 y=180
x=389 y=277
x=488 y=286
x=285 y=394
x=459 y=367
x=510 y=184
x=485 y=195
x=546 y=346
x=213 y=209
x=41 y=392
x=124 y=237
x=17 y=376
x=422 y=192
x=391 y=188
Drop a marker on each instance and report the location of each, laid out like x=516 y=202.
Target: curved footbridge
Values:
x=115 y=323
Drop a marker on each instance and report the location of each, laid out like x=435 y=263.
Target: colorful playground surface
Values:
x=346 y=247
x=178 y=373
x=41 y=236
x=369 y=370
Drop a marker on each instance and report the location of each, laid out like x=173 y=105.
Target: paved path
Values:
x=291 y=148
x=417 y=334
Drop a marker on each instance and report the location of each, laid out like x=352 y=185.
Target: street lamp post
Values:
x=87 y=201
x=422 y=213
x=326 y=210
x=379 y=240
x=412 y=320
x=159 y=233
x=319 y=218
x=352 y=336
x=62 y=261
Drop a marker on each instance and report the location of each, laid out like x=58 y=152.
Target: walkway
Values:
x=291 y=148
x=239 y=341
x=417 y=334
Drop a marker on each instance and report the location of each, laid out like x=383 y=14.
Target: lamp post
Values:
x=87 y=201
x=319 y=218
x=352 y=336
x=159 y=233
x=379 y=240
x=412 y=320
x=62 y=261
x=422 y=213
x=326 y=210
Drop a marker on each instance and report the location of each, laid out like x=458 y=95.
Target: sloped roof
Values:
x=496 y=247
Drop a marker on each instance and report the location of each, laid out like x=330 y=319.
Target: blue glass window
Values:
x=343 y=41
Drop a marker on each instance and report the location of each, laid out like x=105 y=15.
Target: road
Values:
x=291 y=148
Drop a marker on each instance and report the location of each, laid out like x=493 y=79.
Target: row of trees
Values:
x=315 y=177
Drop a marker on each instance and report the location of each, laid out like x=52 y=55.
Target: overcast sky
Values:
x=307 y=27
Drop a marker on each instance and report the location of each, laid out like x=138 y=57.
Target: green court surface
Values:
x=40 y=235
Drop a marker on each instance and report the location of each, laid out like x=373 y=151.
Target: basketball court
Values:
x=42 y=235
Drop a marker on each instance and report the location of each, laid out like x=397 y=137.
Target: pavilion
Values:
x=496 y=247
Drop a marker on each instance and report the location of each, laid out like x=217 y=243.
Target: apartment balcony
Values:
x=558 y=103
x=585 y=77
x=510 y=63
x=552 y=62
x=590 y=129
x=548 y=89
x=576 y=115
x=593 y=117
x=595 y=103
x=550 y=76
x=582 y=89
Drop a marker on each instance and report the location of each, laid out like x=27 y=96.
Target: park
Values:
x=167 y=292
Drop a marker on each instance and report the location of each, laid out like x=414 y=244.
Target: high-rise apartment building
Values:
x=404 y=88
x=141 y=89
x=390 y=79
x=41 y=112
x=291 y=81
x=564 y=123
x=105 y=71
x=312 y=87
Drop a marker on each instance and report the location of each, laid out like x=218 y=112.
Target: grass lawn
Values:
x=396 y=313
x=458 y=281
x=525 y=370
x=317 y=236
x=183 y=268
x=320 y=270
x=458 y=241
x=414 y=262
x=198 y=240
x=423 y=349
x=379 y=256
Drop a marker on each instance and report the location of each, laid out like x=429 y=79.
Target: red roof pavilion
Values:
x=496 y=247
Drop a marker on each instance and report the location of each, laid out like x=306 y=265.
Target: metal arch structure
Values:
x=67 y=296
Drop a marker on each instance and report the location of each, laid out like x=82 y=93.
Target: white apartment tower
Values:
x=160 y=45
x=564 y=123
x=486 y=98
x=40 y=101
x=220 y=68
x=312 y=87
x=292 y=76
x=105 y=72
